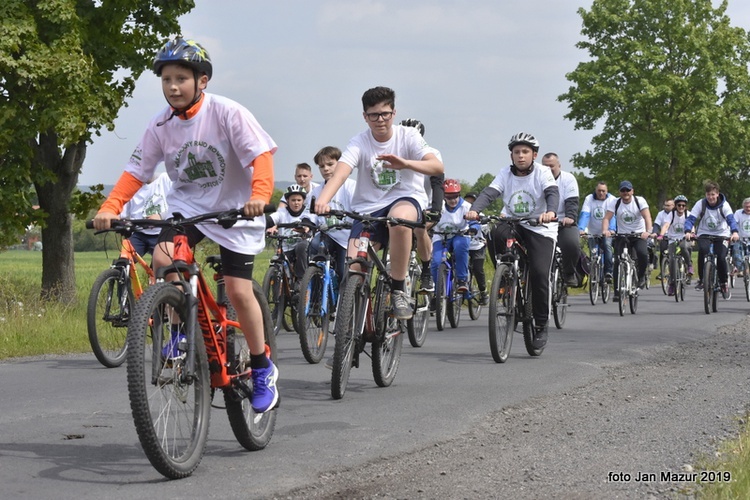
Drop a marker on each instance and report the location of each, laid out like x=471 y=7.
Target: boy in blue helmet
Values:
x=218 y=157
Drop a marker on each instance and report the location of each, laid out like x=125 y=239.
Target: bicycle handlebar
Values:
x=225 y=218
x=533 y=221
x=394 y=221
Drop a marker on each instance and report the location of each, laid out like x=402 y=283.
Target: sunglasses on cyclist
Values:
x=451 y=197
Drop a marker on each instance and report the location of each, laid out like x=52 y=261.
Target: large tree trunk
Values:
x=58 y=265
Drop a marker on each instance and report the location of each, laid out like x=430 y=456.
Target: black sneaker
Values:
x=642 y=282
x=608 y=277
x=571 y=280
x=616 y=297
x=540 y=336
x=462 y=286
x=426 y=285
x=484 y=298
x=699 y=285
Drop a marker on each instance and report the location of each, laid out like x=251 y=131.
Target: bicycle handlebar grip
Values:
x=312 y=204
x=90 y=224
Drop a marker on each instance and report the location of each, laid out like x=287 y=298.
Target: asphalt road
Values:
x=66 y=429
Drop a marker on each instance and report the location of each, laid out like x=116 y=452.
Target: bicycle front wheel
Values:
x=441 y=297
x=502 y=313
x=110 y=303
x=455 y=301
x=746 y=280
x=351 y=317
x=475 y=301
x=388 y=341
x=622 y=287
x=312 y=320
x=594 y=275
x=666 y=274
x=252 y=430
x=708 y=286
x=273 y=290
x=416 y=327
x=559 y=298
x=171 y=408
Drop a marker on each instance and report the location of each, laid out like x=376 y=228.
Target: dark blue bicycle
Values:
x=448 y=300
x=319 y=294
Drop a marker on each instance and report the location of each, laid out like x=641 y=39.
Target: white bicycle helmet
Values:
x=414 y=123
x=524 y=138
x=681 y=197
x=295 y=189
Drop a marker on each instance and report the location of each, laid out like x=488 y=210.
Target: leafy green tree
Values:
x=66 y=68
x=667 y=84
x=482 y=182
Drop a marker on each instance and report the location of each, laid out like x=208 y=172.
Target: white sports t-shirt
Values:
x=377 y=185
x=568 y=187
x=452 y=221
x=662 y=216
x=713 y=223
x=597 y=211
x=523 y=196
x=151 y=199
x=629 y=216
x=676 y=229
x=743 y=223
x=342 y=200
x=282 y=216
x=208 y=158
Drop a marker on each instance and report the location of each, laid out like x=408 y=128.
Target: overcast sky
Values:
x=474 y=72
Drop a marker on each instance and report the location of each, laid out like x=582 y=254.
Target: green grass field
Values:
x=30 y=327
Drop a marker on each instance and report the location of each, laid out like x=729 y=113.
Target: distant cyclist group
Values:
x=367 y=260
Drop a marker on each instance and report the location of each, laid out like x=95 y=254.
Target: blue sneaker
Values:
x=171 y=350
x=265 y=393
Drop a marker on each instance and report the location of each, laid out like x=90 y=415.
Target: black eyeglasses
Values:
x=681 y=205
x=625 y=190
x=451 y=197
x=385 y=115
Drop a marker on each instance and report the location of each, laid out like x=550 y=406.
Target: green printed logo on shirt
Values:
x=384 y=178
x=522 y=203
x=200 y=163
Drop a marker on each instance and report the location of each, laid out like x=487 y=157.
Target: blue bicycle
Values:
x=319 y=294
x=448 y=300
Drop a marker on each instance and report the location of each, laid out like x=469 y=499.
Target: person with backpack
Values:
x=673 y=227
x=716 y=219
x=590 y=221
x=633 y=216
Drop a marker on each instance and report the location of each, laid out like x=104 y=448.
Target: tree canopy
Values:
x=667 y=84
x=66 y=69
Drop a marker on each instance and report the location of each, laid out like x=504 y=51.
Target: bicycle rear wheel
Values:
x=474 y=302
x=252 y=430
x=351 y=316
x=746 y=280
x=313 y=322
x=594 y=276
x=416 y=327
x=559 y=298
x=633 y=295
x=273 y=290
x=666 y=274
x=171 y=409
x=622 y=286
x=455 y=302
x=708 y=286
x=107 y=318
x=441 y=297
x=502 y=313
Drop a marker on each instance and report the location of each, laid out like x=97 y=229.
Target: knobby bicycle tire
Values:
x=273 y=290
x=746 y=281
x=313 y=324
x=106 y=320
x=171 y=412
x=666 y=273
x=441 y=297
x=416 y=327
x=348 y=333
x=633 y=296
x=253 y=431
x=388 y=341
x=622 y=286
x=474 y=303
x=708 y=287
x=528 y=323
x=560 y=298
x=595 y=276
x=454 y=303
x=502 y=310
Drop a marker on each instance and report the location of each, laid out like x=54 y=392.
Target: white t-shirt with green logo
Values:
x=342 y=200
x=713 y=223
x=743 y=223
x=629 y=216
x=676 y=229
x=597 y=211
x=377 y=185
x=208 y=158
x=523 y=196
